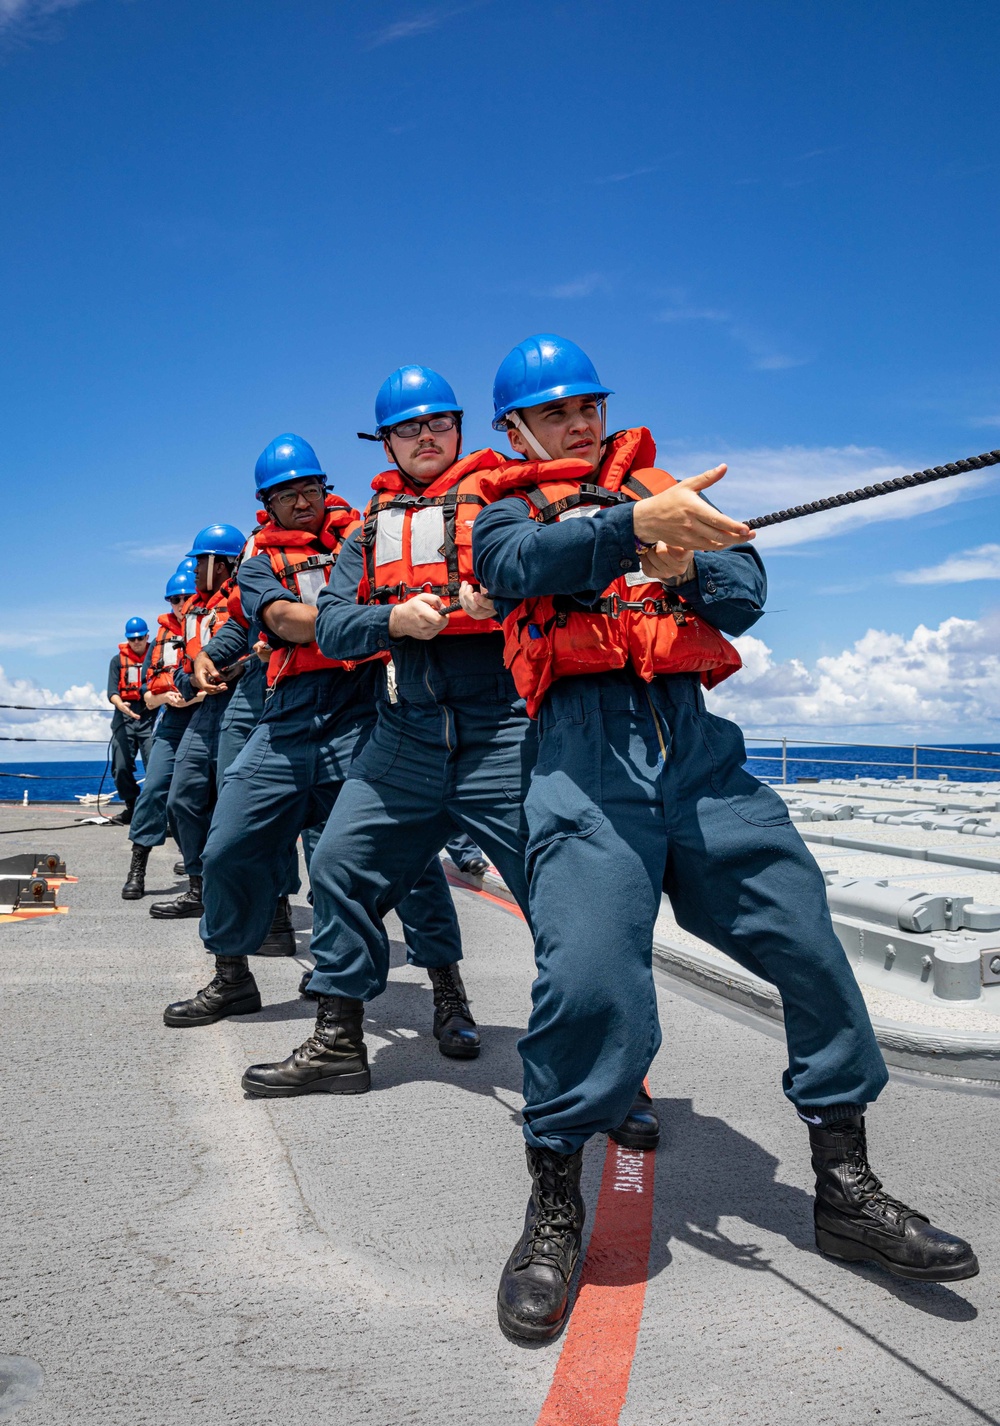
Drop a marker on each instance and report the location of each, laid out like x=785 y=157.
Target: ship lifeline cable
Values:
x=884 y=487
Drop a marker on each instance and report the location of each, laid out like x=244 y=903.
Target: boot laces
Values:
x=874 y=1199
x=555 y=1214
x=448 y=999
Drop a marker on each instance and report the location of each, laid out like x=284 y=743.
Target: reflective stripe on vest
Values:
x=129 y=674
x=418 y=542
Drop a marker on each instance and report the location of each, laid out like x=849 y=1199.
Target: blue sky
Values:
x=773 y=226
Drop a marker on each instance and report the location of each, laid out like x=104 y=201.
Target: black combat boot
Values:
x=124 y=817
x=280 y=940
x=640 y=1129
x=533 y=1300
x=135 y=883
x=454 y=1028
x=334 y=1059
x=179 y=868
x=189 y=904
x=231 y=991
x=475 y=866
x=857 y=1220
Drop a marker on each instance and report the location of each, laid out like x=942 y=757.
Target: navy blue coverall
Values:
x=638 y=790
x=287 y=778
x=149 y=820
x=194 y=785
x=130 y=738
x=456 y=748
x=243 y=713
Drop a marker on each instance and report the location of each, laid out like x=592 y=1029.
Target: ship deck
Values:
x=174 y=1252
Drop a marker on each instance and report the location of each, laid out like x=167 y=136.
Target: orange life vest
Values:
x=416 y=541
x=168 y=654
x=203 y=615
x=303 y=563
x=637 y=621
x=129 y=674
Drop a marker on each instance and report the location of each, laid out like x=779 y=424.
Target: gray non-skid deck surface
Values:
x=175 y=1253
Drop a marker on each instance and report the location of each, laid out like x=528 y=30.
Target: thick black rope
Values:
x=884 y=487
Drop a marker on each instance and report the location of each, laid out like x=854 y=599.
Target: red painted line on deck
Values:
x=592 y=1374
x=591 y=1378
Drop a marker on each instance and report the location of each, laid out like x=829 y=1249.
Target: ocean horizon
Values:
x=974 y=762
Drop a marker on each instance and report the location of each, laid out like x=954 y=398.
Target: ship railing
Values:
x=914 y=764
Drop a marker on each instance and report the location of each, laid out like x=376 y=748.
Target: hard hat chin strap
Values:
x=210 y=577
x=538 y=450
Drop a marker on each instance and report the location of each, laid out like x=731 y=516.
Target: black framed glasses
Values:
x=286 y=499
x=437 y=425
x=176 y=598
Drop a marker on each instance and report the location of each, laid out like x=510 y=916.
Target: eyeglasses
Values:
x=437 y=425
x=176 y=598
x=287 y=498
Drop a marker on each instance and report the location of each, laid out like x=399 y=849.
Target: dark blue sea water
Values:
x=975 y=762
x=59 y=782
x=52 y=782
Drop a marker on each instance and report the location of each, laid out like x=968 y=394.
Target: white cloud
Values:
x=765 y=355
x=981 y=563
x=936 y=685
x=135 y=551
x=26 y=18
x=421 y=22
x=584 y=286
x=53 y=722
x=693 y=314
x=766 y=479
x=629 y=173
x=46 y=630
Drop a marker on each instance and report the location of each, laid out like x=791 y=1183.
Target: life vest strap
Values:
x=386 y=592
x=549 y=510
x=612 y=605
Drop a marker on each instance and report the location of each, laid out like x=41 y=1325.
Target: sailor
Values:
x=132 y=723
x=611 y=626
x=239 y=648
x=165 y=658
x=193 y=787
x=319 y=712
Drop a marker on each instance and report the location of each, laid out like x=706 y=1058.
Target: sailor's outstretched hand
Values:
x=417 y=618
x=680 y=518
x=476 y=602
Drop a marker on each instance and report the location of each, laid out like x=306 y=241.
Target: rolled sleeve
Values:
x=729 y=588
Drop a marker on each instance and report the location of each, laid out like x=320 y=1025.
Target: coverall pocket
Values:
x=382 y=748
x=751 y=800
x=564 y=797
x=251 y=756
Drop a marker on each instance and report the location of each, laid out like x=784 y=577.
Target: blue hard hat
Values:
x=410 y=392
x=136 y=628
x=539 y=369
x=288 y=457
x=223 y=540
x=188 y=565
x=182 y=582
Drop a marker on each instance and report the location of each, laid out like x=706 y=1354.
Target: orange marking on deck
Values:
x=591 y=1377
x=590 y=1383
